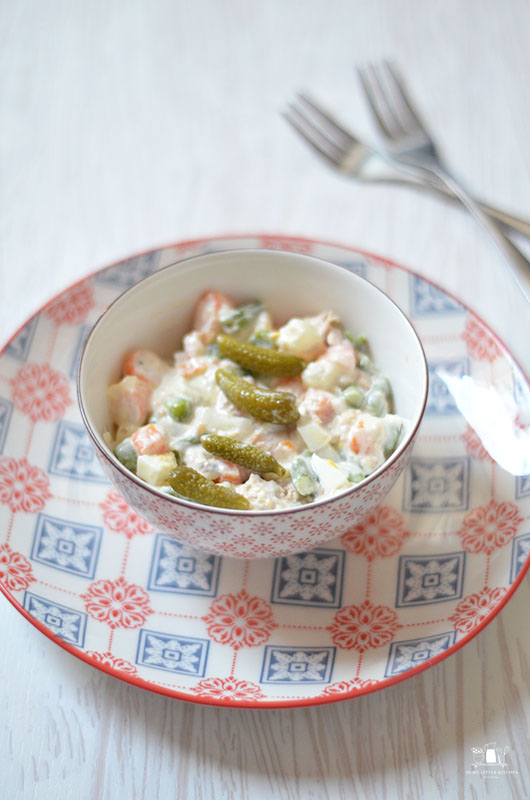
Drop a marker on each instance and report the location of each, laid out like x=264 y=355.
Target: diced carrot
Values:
x=360 y=424
x=145 y=365
x=288 y=445
x=129 y=401
x=229 y=472
x=148 y=441
x=192 y=367
x=319 y=405
x=354 y=445
x=206 y=317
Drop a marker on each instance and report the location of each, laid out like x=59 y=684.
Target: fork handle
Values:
x=517 y=261
x=383 y=169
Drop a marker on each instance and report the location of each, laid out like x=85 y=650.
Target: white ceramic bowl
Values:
x=157 y=311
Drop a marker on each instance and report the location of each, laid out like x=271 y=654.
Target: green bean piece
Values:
x=302 y=477
x=260 y=359
x=263 y=404
x=360 y=343
x=235 y=321
x=355 y=477
x=189 y=483
x=246 y=455
x=354 y=396
x=179 y=408
x=126 y=453
x=391 y=443
x=376 y=403
x=263 y=338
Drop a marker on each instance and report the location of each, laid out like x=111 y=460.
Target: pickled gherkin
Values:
x=263 y=404
x=262 y=360
x=246 y=455
x=189 y=483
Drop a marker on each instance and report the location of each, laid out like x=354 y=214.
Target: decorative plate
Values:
x=403 y=589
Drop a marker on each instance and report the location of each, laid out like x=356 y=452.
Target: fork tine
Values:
x=328 y=122
x=377 y=101
x=399 y=90
x=313 y=135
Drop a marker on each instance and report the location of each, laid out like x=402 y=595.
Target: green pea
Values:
x=366 y=364
x=382 y=384
x=179 y=408
x=376 y=403
x=354 y=396
x=126 y=453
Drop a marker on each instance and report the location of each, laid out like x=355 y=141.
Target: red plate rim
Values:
x=262 y=704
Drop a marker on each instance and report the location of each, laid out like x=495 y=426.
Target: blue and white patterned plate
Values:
x=398 y=592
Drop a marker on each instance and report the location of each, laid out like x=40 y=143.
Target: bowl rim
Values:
x=241 y=513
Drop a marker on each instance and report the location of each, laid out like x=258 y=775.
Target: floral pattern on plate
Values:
x=393 y=594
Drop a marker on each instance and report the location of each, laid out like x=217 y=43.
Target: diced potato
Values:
x=156 y=469
x=321 y=374
x=298 y=336
x=329 y=475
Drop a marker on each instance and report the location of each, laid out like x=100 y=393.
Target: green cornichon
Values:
x=262 y=360
x=246 y=455
x=126 y=453
x=179 y=408
x=303 y=478
x=189 y=483
x=238 y=319
x=263 y=404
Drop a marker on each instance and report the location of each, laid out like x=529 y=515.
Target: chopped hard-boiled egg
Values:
x=314 y=435
x=330 y=476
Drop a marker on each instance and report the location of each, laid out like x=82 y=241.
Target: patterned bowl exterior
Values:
x=422 y=574
x=257 y=535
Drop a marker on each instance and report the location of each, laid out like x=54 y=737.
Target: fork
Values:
x=357 y=159
x=410 y=146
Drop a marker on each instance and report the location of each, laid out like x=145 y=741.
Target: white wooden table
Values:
x=129 y=124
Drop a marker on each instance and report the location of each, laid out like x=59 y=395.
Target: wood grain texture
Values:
x=130 y=124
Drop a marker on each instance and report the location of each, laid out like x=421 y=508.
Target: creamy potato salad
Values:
x=252 y=416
